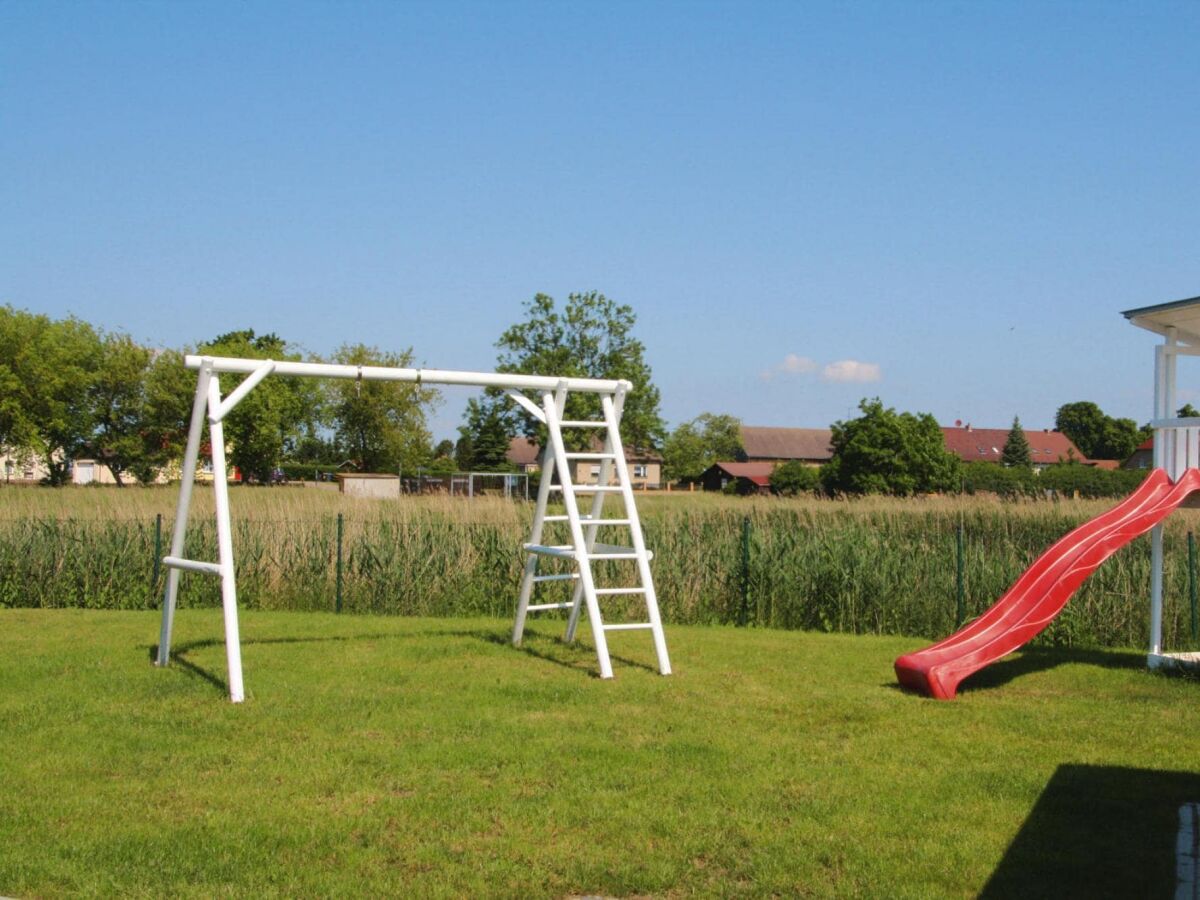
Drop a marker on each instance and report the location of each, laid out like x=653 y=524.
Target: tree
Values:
x=166 y=413
x=18 y=329
x=1016 y=453
x=794 y=477
x=694 y=446
x=53 y=371
x=275 y=415
x=381 y=424
x=591 y=338
x=1083 y=423
x=485 y=437
x=885 y=452
x=1097 y=435
x=1187 y=411
x=118 y=398
x=444 y=449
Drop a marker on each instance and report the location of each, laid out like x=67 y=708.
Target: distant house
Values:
x=645 y=466
x=21 y=468
x=750 y=477
x=807 y=445
x=524 y=454
x=1143 y=456
x=972 y=444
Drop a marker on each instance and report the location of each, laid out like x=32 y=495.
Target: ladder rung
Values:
x=589 y=488
x=591 y=456
x=605 y=591
x=628 y=626
x=614 y=551
x=191 y=565
x=571 y=576
x=583 y=423
x=588 y=520
x=563 y=550
x=538 y=607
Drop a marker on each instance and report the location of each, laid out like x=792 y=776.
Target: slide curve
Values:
x=1043 y=589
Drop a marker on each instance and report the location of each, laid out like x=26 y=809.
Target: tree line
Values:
x=882 y=451
x=69 y=390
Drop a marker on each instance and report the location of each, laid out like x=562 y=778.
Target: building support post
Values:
x=1161 y=394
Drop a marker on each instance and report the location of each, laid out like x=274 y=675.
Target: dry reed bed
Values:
x=868 y=566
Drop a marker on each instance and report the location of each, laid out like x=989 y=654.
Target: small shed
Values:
x=750 y=477
x=364 y=484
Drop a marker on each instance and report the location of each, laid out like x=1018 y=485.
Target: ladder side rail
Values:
x=555 y=406
x=187 y=482
x=535 y=537
x=233 y=645
x=592 y=528
x=612 y=413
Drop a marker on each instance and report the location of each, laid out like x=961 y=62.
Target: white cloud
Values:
x=798 y=365
x=851 y=370
x=791 y=365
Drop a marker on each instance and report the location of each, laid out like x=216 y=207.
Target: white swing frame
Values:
x=208 y=404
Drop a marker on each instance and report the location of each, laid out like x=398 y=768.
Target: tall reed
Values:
x=872 y=566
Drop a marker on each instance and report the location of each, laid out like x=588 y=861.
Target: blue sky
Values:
x=942 y=204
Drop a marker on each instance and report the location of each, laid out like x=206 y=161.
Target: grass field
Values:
x=425 y=757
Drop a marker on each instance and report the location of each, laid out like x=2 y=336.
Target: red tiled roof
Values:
x=758 y=472
x=1110 y=464
x=787 y=443
x=987 y=444
x=523 y=452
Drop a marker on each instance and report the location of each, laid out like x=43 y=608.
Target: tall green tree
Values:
x=1016 y=452
x=274 y=416
x=592 y=337
x=53 y=372
x=885 y=452
x=383 y=425
x=485 y=435
x=118 y=398
x=18 y=330
x=694 y=446
x=1097 y=435
x=168 y=393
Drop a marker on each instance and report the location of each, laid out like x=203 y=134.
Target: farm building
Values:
x=645 y=467
x=808 y=445
x=987 y=445
x=750 y=477
x=1143 y=456
x=21 y=468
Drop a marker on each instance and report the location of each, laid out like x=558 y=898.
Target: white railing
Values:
x=1176 y=445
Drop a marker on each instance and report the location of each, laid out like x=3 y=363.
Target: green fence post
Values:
x=340 y=528
x=158 y=547
x=742 y=618
x=961 y=610
x=1192 y=582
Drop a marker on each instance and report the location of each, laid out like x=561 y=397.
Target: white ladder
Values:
x=583 y=547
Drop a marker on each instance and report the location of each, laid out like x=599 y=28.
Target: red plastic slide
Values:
x=1043 y=590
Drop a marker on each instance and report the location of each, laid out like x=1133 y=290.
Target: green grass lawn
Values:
x=384 y=756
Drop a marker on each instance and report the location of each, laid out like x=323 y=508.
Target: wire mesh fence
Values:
x=780 y=566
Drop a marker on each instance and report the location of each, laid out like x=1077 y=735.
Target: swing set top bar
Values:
x=508 y=381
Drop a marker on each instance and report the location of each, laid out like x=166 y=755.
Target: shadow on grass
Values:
x=1098 y=831
x=581 y=659
x=583 y=655
x=1041 y=659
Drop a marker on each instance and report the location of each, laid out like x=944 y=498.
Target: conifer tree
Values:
x=1016 y=448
